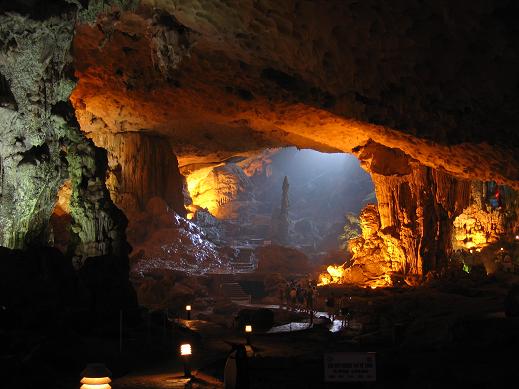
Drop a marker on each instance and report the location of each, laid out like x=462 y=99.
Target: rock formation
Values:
x=141 y=166
x=281 y=222
x=34 y=82
x=424 y=93
x=41 y=144
x=224 y=190
x=481 y=223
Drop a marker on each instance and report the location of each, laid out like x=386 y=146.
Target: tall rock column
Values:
x=281 y=222
x=141 y=166
x=417 y=206
x=97 y=224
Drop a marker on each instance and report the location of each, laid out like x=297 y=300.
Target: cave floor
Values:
x=455 y=335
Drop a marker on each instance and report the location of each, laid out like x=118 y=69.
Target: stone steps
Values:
x=234 y=292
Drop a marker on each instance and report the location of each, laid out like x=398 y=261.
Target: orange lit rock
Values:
x=141 y=166
x=480 y=224
x=222 y=190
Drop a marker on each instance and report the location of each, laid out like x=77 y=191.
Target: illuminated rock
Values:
x=410 y=93
x=223 y=190
x=482 y=224
x=141 y=166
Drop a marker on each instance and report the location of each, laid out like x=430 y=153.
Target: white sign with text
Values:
x=350 y=367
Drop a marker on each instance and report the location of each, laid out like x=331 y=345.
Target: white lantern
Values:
x=96 y=376
x=185 y=349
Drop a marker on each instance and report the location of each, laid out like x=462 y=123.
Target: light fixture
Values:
x=185 y=353
x=517 y=237
x=96 y=376
x=248 y=332
x=502 y=249
x=188 y=310
x=185 y=349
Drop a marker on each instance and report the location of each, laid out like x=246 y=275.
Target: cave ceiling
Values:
x=437 y=80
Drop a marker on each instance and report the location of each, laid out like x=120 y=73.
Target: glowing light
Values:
x=188 y=307
x=185 y=349
x=501 y=249
x=96 y=376
x=248 y=328
x=517 y=237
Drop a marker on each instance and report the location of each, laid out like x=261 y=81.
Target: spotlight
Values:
x=96 y=376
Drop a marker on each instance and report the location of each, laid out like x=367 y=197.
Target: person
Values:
x=236 y=371
x=287 y=294
x=293 y=295
x=310 y=304
x=330 y=306
x=281 y=295
x=300 y=296
x=310 y=299
x=345 y=309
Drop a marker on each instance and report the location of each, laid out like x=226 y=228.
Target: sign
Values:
x=350 y=367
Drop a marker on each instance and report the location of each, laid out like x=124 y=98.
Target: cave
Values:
x=277 y=185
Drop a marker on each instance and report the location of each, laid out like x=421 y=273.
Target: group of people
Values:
x=304 y=296
x=298 y=295
x=338 y=306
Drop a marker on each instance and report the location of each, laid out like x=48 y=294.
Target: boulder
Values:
x=262 y=319
x=512 y=302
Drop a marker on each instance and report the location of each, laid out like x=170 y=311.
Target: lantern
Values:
x=185 y=349
x=185 y=353
x=188 y=310
x=96 y=376
x=248 y=332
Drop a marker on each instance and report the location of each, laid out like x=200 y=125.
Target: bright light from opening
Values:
x=248 y=328
x=185 y=349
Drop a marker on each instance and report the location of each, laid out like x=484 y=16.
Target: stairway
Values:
x=245 y=263
x=234 y=292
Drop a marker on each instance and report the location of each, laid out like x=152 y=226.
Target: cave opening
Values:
x=316 y=212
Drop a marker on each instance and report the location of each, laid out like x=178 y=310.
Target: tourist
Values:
x=300 y=293
x=281 y=291
x=287 y=294
x=330 y=306
x=293 y=296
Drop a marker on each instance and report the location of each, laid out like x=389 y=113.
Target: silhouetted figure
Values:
x=330 y=305
x=236 y=372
